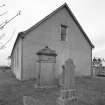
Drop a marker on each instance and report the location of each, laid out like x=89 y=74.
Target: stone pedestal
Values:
x=67 y=97
x=46 y=67
x=62 y=101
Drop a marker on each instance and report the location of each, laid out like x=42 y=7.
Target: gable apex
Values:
x=24 y=33
x=54 y=12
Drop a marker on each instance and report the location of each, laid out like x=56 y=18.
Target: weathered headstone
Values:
x=69 y=82
x=68 y=93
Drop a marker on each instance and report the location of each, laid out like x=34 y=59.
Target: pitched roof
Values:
x=51 y=14
x=71 y=14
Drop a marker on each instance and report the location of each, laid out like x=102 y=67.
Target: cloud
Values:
x=90 y=14
x=99 y=52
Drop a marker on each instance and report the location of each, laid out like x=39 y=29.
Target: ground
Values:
x=90 y=91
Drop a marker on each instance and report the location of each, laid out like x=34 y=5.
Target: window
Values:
x=63 y=32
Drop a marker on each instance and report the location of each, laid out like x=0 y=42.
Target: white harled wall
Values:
x=17 y=60
x=48 y=33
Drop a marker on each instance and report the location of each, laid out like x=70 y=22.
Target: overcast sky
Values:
x=89 y=13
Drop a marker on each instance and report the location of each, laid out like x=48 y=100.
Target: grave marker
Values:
x=68 y=93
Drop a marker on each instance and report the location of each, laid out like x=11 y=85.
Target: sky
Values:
x=89 y=13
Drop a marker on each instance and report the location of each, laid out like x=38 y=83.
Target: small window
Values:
x=63 y=32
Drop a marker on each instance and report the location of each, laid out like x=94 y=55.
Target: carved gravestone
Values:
x=69 y=82
x=46 y=67
x=68 y=93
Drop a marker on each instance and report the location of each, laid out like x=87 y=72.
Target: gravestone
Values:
x=46 y=67
x=68 y=92
x=69 y=71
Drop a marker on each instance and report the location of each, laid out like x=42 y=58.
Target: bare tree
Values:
x=97 y=61
x=4 y=44
x=4 y=23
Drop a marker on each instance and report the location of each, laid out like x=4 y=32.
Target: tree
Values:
x=4 y=23
x=97 y=61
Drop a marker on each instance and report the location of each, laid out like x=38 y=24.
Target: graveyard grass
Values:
x=91 y=91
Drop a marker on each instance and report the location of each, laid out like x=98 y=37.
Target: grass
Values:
x=90 y=91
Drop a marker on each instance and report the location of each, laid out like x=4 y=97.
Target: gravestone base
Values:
x=67 y=97
x=69 y=101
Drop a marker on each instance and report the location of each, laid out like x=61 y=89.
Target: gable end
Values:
x=22 y=34
x=54 y=12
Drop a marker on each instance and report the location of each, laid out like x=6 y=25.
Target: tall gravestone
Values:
x=68 y=92
x=46 y=67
